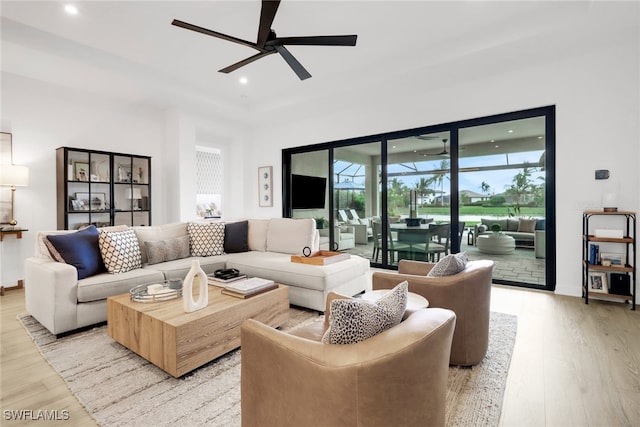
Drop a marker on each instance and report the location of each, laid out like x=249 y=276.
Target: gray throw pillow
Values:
x=354 y=320
x=167 y=250
x=449 y=265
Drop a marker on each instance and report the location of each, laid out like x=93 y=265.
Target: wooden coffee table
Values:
x=179 y=342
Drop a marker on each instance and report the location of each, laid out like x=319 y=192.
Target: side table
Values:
x=9 y=231
x=495 y=243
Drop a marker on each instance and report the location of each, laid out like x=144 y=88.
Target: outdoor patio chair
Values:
x=393 y=246
x=343 y=216
x=436 y=243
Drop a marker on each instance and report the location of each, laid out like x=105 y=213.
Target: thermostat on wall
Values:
x=602 y=174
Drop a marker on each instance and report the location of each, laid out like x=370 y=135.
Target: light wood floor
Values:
x=573 y=364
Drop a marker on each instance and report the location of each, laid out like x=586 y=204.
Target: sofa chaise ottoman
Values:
x=62 y=302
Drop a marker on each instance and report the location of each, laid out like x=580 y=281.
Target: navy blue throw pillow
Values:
x=236 y=237
x=81 y=250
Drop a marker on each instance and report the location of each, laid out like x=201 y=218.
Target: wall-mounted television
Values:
x=308 y=192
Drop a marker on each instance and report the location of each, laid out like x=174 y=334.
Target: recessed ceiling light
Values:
x=539 y=137
x=510 y=131
x=71 y=9
x=243 y=80
x=393 y=146
x=497 y=146
x=493 y=140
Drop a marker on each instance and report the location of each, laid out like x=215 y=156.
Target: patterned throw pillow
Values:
x=449 y=265
x=206 y=239
x=354 y=320
x=167 y=250
x=120 y=251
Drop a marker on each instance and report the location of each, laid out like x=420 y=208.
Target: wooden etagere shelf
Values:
x=596 y=275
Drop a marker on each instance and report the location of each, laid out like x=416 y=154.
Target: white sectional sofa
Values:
x=61 y=302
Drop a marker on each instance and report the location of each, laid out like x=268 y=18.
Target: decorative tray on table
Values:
x=153 y=293
x=320 y=258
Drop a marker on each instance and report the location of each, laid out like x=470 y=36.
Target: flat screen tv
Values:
x=308 y=192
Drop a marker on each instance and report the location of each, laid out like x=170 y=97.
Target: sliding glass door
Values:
x=502 y=197
x=483 y=186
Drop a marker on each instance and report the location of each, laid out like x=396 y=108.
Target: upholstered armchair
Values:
x=398 y=377
x=344 y=235
x=467 y=293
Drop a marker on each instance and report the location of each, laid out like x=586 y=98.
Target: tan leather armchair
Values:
x=467 y=293
x=398 y=377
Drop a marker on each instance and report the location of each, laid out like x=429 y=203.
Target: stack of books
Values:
x=594 y=254
x=217 y=281
x=249 y=287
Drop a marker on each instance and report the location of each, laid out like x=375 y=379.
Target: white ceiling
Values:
x=128 y=49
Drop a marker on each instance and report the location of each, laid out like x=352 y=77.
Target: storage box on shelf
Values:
x=620 y=271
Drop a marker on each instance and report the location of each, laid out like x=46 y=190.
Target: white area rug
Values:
x=119 y=388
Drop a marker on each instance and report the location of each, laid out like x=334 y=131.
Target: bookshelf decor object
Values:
x=608 y=259
x=102 y=188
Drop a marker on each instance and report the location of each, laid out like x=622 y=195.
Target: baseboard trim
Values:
x=20 y=285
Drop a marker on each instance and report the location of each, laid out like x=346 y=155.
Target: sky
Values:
x=498 y=180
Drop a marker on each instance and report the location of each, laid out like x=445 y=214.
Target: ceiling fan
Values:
x=268 y=43
x=443 y=152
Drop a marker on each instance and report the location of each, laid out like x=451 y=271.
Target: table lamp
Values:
x=13 y=176
x=134 y=194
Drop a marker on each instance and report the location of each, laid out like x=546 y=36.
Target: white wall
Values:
x=593 y=79
x=43 y=117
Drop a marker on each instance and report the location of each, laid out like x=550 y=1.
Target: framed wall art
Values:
x=265 y=186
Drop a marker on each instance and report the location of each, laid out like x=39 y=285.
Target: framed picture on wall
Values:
x=265 y=186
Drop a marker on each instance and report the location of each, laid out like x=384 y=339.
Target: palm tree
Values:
x=485 y=187
x=522 y=186
x=397 y=194
x=439 y=178
x=422 y=187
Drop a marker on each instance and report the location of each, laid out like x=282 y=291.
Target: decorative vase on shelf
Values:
x=197 y=277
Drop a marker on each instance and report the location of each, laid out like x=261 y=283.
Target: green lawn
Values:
x=483 y=211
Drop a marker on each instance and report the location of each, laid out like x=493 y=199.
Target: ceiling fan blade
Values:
x=212 y=33
x=316 y=41
x=267 y=14
x=293 y=62
x=245 y=61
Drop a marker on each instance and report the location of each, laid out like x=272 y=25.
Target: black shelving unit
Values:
x=102 y=188
x=628 y=269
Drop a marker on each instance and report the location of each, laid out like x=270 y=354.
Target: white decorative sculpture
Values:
x=198 y=277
